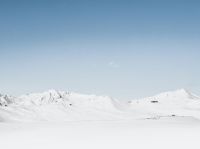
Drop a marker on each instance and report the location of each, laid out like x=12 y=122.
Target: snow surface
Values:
x=68 y=106
x=58 y=119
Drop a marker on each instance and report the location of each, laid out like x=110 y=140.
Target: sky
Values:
x=124 y=48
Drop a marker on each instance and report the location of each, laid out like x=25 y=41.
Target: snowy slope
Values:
x=176 y=103
x=59 y=106
x=55 y=105
x=67 y=99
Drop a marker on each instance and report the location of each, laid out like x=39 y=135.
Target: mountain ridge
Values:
x=54 y=105
x=55 y=96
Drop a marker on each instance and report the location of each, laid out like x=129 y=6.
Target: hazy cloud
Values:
x=113 y=64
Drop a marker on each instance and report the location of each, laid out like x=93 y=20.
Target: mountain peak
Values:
x=6 y=99
x=185 y=93
x=177 y=95
x=183 y=90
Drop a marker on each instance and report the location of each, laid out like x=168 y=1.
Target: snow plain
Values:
x=69 y=120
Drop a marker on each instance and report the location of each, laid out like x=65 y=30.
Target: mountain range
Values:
x=55 y=105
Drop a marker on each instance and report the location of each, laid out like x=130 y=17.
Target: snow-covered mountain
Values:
x=5 y=100
x=58 y=105
x=176 y=103
x=68 y=99
x=55 y=105
x=181 y=96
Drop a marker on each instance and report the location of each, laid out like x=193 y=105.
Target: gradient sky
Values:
x=125 y=49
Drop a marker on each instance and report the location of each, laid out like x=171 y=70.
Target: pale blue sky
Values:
x=125 y=49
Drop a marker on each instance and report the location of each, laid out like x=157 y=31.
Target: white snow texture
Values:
x=68 y=106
